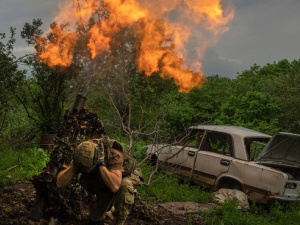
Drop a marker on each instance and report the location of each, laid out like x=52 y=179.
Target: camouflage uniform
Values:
x=122 y=200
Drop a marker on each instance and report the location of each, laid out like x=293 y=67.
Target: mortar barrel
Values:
x=79 y=103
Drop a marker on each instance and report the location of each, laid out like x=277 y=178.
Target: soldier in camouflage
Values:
x=101 y=164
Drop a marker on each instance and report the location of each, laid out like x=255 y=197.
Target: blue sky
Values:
x=263 y=31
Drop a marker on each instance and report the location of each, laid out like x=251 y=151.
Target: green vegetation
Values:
x=166 y=188
x=275 y=215
x=20 y=165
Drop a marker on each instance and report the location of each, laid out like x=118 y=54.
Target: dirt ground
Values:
x=16 y=201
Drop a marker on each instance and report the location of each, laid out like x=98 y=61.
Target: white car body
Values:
x=221 y=157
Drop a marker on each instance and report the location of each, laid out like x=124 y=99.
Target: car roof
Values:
x=233 y=130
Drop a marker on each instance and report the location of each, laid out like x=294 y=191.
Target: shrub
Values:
x=20 y=165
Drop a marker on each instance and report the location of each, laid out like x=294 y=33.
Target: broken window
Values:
x=218 y=142
x=193 y=138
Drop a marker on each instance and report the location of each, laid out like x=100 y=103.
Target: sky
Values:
x=262 y=31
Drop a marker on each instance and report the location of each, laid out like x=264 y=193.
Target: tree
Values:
x=8 y=68
x=43 y=93
x=286 y=97
x=12 y=123
x=253 y=110
x=281 y=82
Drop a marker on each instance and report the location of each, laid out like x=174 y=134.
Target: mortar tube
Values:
x=79 y=103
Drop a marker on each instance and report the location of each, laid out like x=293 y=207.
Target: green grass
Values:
x=20 y=165
x=274 y=215
x=166 y=188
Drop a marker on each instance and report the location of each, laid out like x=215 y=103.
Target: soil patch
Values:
x=16 y=201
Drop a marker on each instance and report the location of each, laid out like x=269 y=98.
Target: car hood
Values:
x=282 y=148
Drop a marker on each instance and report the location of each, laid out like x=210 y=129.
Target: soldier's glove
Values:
x=99 y=157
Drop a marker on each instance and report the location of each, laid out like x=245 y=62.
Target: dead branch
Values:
x=11 y=168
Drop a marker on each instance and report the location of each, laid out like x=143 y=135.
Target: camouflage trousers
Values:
x=122 y=200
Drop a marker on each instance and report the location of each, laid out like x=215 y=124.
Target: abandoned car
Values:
x=264 y=168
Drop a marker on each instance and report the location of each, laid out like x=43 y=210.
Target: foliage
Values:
x=44 y=93
x=286 y=98
x=228 y=213
x=151 y=99
x=17 y=127
x=45 y=97
x=10 y=77
x=167 y=188
x=281 y=82
x=41 y=91
x=139 y=150
x=199 y=106
x=254 y=110
x=20 y=165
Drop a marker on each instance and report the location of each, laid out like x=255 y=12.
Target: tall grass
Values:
x=20 y=165
x=166 y=188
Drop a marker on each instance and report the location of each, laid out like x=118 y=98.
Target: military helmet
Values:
x=84 y=156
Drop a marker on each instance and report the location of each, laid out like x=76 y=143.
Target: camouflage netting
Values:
x=64 y=203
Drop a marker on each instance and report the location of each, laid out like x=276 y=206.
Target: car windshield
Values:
x=254 y=146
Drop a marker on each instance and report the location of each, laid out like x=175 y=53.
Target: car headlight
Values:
x=291 y=185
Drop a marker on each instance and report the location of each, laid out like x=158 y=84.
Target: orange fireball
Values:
x=174 y=34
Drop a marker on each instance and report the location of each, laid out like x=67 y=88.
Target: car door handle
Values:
x=224 y=162
x=191 y=153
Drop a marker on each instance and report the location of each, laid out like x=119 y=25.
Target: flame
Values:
x=98 y=42
x=174 y=34
x=184 y=79
x=79 y=13
x=125 y=11
x=58 y=50
x=151 y=50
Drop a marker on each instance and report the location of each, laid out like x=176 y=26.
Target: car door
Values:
x=213 y=158
x=189 y=153
x=180 y=159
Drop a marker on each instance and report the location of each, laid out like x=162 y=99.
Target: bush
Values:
x=20 y=165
